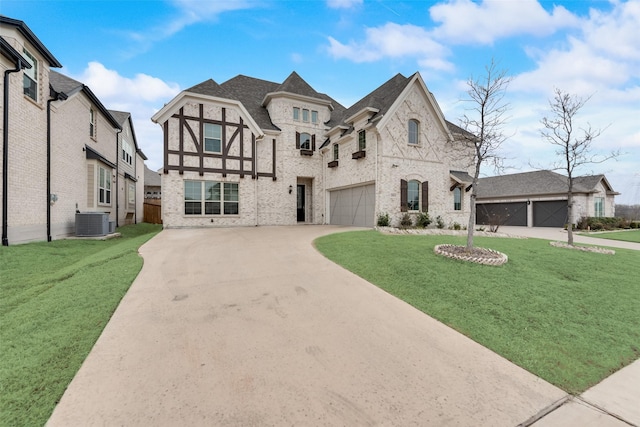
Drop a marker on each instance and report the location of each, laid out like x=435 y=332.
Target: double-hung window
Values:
x=362 y=140
x=30 y=79
x=104 y=186
x=599 y=207
x=212 y=138
x=314 y=116
x=211 y=198
x=296 y=113
x=413 y=132
x=457 y=199
x=92 y=123
x=127 y=152
x=305 y=115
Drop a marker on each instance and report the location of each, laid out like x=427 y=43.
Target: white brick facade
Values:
x=268 y=201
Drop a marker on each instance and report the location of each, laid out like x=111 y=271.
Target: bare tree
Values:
x=573 y=143
x=484 y=127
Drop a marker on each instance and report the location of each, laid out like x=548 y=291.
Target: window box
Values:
x=306 y=152
x=333 y=164
x=359 y=154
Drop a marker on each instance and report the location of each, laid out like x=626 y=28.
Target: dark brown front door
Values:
x=301 y=203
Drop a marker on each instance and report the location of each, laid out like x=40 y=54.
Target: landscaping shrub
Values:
x=383 y=220
x=455 y=226
x=423 y=220
x=406 y=221
x=439 y=222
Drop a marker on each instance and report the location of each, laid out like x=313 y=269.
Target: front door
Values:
x=300 y=203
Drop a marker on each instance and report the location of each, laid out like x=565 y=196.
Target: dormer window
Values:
x=30 y=79
x=414 y=128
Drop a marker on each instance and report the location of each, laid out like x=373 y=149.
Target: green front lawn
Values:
x=570 y=317
x=624 y=236
x=57 y=298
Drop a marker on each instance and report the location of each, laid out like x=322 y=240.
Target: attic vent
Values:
x=89 y=224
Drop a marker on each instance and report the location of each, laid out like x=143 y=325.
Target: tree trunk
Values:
x=570 y=216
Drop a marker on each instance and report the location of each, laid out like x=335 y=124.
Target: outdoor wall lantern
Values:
x=290 y=189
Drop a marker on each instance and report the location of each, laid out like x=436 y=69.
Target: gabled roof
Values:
x=122 y=117
x=68 y=86
x=250 y=92
x=536 y=183
x=381 y=98
x=295 y=84
x=13 y=55
x=33 y=40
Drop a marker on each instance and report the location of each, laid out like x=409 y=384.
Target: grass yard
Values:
x=624 y=236
x=570 y=317
x=57 y=298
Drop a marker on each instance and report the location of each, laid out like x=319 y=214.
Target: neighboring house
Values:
x=152 y=184
x=254 y=152
x=539 y=199
x=63 y=149
x=131 y=170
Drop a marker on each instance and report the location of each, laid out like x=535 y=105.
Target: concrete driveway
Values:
x=252 y=326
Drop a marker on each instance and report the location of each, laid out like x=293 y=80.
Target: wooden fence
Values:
x=153 y=211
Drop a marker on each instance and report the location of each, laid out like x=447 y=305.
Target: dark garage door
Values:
x=353 y=206
x=550 y=214
x=514 y=214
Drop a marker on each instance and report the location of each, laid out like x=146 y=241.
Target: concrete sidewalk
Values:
x=560 y=235
x=252 y=326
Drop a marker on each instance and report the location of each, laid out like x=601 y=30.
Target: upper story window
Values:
x=30 y=79
x=362 y=140
x=127 y=152
x=336 y=151
x=92 y=123
x=305 y=115
x=212 y=138
x=296 y=113
x=305 y=141
x=414 y=128
x=457 y=199
x=314 y=116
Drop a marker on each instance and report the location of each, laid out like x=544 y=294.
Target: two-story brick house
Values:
x=60 y=146
x=254 y=152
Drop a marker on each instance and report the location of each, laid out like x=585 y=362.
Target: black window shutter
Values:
x=313 y=142
x=403 y=195
x=425 y=196
x=297 y=140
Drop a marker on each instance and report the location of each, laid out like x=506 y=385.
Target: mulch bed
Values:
x=478 y=255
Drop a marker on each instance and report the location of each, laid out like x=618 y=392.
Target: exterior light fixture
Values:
x=290 y=189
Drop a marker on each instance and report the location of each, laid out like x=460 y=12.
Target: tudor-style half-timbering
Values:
x=212 y=139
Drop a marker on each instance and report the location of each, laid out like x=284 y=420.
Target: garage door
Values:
x=550 y=214
x=353 y=206
x=514 y=214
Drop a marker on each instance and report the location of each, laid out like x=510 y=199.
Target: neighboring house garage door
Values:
x=514 y=214
x=550 y=214
x=353 y=206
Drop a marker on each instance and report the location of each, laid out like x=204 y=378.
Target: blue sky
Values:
x=137 y=55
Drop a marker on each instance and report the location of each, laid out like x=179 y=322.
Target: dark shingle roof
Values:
x=251 y=92
x=533 y=183
x=210 y=88
x=381 y=98
x=31 y=37
x=152 y=177
x=68 y=86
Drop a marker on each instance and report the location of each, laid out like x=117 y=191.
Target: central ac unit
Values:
x=90 y=224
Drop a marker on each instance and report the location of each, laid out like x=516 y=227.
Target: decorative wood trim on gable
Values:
x=232 y=135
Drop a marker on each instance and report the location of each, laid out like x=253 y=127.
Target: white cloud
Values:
x=343 y=4
x=465 y=21
x=140 y=95
x=393 y=41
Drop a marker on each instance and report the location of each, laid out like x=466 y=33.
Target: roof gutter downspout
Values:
x=56 y=96
x=117 y=177
x=5 y=152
